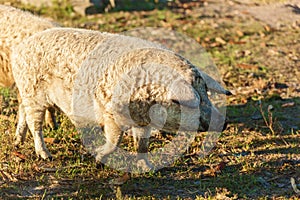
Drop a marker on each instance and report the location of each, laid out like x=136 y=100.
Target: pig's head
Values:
x=191 y=104
x=178 y=106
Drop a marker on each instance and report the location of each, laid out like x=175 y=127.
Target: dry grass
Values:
x=249 y=161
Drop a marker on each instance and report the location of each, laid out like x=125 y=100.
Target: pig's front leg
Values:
x=21 y=127
x=113 y=136
x=141 y=137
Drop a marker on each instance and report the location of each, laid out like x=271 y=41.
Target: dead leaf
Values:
x=220 y=166
x=220 y=40
x=263 y=44
x=213 y=171
x=214 y=44
x=185 y=5
x=19 y=155
x=239 y=33
x=121 y=180
x=262 y=34
x=267 y=28
x=207 y=39
x=272 y=52
x=237 y=42
x=247 y=52
x=50 y=140
x=289 y=104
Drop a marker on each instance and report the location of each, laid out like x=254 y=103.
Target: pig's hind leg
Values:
x=35 y=114
x=50 y=119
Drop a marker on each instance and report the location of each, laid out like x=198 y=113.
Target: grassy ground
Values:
x=254 y=158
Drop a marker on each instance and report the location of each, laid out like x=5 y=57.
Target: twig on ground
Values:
x=269 y=123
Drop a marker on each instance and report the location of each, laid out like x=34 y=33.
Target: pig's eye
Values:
x=175 y=101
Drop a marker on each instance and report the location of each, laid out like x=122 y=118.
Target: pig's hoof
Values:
x=52 y=125
x=100 y=161
x=144 y=166
x=100 y=165
x=18 y=142
x=45 y=155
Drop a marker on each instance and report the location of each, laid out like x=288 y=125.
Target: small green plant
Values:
x=258 y=166
x=268 y=121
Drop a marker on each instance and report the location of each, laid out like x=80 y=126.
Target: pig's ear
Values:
x=213 y=85
x=184 y=94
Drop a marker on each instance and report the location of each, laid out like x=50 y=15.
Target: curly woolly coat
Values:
x=15 y=26
x=116 y=81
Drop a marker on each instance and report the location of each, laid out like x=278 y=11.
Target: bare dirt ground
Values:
x=277 y=14
x=256 y=46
